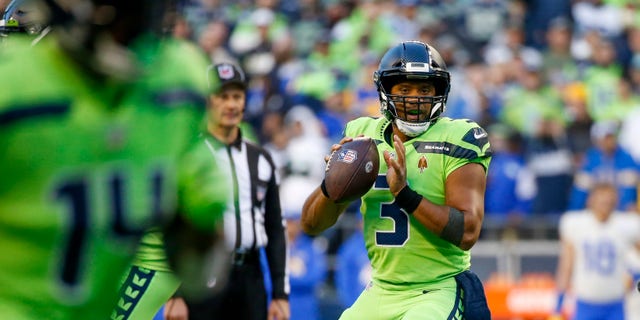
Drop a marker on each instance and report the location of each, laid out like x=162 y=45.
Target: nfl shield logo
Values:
x=347 y=156
x=225 y=71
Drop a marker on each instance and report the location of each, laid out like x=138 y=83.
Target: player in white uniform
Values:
x=632 y=302
x=593 y=265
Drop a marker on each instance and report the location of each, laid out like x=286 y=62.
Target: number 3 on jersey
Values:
x=389 y=210
x=77 y=193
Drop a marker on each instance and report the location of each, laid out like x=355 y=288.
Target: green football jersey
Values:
x=88 y=165
x=402 y=251
x=151 y=254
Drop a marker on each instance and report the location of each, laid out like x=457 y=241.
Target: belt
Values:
x=243 y=256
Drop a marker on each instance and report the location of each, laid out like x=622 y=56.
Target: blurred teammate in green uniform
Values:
x=142 y=302
x=149 y=283
x=425 y=210
x=95 y=123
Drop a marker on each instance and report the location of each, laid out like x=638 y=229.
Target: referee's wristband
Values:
x=408 y=200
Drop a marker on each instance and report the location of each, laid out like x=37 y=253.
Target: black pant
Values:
x=244 y=296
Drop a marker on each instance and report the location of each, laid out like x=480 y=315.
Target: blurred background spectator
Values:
x=307 y=256
x=607 y=162
x=511 y=187
x=353 y=269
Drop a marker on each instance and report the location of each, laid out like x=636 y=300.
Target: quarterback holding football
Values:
x=425 y=209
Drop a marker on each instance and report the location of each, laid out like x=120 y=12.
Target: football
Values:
x=352 y=170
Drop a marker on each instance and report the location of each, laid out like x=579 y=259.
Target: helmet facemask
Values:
x=412 y=114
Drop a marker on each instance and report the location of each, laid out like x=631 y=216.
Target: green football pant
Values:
x=143 y=293
x=438 y=301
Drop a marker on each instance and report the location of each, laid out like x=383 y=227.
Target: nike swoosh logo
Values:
x=479 y=135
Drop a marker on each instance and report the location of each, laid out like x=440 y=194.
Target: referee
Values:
x=253 y=218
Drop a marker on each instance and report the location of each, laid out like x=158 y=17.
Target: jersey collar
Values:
x=237 y=143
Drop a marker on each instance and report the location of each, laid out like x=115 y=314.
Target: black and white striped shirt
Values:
x=253 y=218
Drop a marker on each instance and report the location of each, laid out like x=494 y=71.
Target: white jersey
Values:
x=601 y=250
x=632 y=303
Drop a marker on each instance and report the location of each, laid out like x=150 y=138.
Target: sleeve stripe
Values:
x=448 y=149
x=17 y=114
x=169 y=99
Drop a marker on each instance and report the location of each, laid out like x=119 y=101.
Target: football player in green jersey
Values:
x=143 y=301
x=425 y=210
x=95 y=125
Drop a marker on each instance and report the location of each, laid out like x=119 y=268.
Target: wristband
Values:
x=408 y=200
x=323 y=188
x=453 y=231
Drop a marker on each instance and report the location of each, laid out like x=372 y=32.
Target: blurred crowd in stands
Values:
x=556 y=84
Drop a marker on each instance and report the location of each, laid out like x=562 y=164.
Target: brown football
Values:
x=352 y=170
